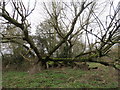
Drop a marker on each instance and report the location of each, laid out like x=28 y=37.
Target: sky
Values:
x=38 y=14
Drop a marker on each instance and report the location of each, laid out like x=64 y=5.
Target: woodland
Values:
x=74 y=37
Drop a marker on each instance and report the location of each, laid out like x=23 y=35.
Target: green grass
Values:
x=62 y=78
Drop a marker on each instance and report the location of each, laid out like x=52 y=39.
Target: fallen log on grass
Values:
x=83 y=59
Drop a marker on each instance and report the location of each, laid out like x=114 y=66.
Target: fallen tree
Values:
x=107 y=38
x=90 y=58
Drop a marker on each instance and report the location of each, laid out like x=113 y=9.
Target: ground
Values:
x=103 y=77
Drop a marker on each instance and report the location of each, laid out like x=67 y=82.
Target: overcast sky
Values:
x=38 y=15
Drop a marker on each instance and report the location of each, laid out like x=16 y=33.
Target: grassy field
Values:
x=103 y=77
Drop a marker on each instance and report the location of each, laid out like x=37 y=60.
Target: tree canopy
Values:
x=67 y=32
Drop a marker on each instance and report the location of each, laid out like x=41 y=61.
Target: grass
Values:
x=63 y=78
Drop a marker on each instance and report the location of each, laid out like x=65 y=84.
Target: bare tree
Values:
x=57 y=15
x=19 y=19
x=107 y=31
x=69 y=29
